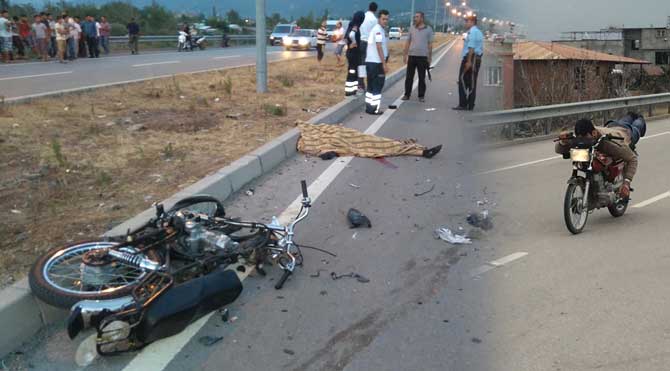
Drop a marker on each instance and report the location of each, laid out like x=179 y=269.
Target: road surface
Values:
x=526 y=295
x=25 y=79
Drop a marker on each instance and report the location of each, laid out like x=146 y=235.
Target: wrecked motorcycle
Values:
x=594 y=184
x=152 y=283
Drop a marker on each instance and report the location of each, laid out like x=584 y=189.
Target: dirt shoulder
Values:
x=74 y=166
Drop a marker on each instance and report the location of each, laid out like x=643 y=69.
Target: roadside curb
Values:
x=22 y=315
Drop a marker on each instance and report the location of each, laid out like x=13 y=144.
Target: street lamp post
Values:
x=261 y=52
x=435 y=16
x=411 y=15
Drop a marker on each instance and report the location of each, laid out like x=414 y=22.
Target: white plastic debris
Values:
x=430 y=109
x=15 y=211
x=447 y=235
x=217 y=99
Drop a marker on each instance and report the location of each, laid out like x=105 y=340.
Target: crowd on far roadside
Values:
x=64 y=37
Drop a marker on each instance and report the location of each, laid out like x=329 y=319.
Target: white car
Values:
x=304 y=39
x=395 y=33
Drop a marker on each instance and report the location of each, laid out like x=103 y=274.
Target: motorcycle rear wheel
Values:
x=574 y=212
x=60 y=277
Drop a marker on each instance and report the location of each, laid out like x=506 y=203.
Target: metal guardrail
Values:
x=519 y=115
x=166 y=38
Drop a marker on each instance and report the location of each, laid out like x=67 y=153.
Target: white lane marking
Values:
x=497 y=263
x=227 y=57
x=31 y=76
x=653 y=200
x=519 y=165
x=158 y=355
x=552 y=158
x=155 y=63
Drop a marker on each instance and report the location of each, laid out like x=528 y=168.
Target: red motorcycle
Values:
x=594 y=184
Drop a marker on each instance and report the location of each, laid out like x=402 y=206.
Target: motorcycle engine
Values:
x=603 y=190
x=201 y=240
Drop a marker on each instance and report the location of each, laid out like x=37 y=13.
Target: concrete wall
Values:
x=493 y=98
x=614 y=47
x=539 y=83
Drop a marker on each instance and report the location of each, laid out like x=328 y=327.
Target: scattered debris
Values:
x=317 y=274
x=233 y=319
x=426 y=192
x=102 y=116
x=481 y=220
x=289 y=352
x=15 y=211
x=249 y=192
x=392 y=106
x=357 y=219
x=328 y=155
x=224 y=315
x=430 y=109
x=233 y=116
x=357 y=276
x=447 y=235
x=323 y=293
x=354 y=185
x=217 y=99
x=209 y=340
x=66 y=108
x=476 y=340
x=353 y=236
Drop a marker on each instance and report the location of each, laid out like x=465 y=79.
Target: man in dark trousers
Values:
x=473 y=48
x=418 y=55
x=375 y=64
x=133 y=36
x=91 y=34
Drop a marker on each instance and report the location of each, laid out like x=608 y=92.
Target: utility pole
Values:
x=435 y=17
x=444 y=19
x=261 y=46
x=411 y=15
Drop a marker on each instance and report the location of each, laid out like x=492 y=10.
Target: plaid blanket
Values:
x=318 y=139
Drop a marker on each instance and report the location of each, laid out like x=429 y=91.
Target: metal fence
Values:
x=542 y=120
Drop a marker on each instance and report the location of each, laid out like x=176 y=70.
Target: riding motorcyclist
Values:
x=616 y=149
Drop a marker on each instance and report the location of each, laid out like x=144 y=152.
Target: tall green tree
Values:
x=233 y=17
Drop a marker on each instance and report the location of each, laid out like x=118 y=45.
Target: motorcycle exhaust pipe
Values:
x=89 y=313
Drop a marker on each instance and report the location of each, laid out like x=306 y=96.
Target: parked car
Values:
x=280 y=31
x=303 y=39
x=395 y=33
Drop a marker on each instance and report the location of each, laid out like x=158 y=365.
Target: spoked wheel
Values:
x=200 y=204
x=574 y=210
x=618 y=209
x=66 y=275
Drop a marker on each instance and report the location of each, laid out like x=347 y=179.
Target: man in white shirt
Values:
x=375 y=64
x=368 y=22
x=5 y=36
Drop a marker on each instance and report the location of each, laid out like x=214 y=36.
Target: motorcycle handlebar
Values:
x=283 y=279
x=303 y=184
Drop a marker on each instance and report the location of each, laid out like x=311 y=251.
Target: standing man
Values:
x=368 y=22
x=321 y=38
x=63 y=38
x=51 y=26
x=375 y=64
x=40 y=34
x=91 y=33
x=105 y=30
x=133 y=35
x=5 y=36
x=418 y=55
x=338 y=37
x=473 y=48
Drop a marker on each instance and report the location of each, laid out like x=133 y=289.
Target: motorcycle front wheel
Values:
x=574 y=210
x=61 y=277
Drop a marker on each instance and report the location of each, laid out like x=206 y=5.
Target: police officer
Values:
x=471 y=60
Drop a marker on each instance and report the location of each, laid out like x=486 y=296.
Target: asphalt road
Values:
x=526 y=295
x=26 y=79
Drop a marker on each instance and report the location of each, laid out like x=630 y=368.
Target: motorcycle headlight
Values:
x=580 y=155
